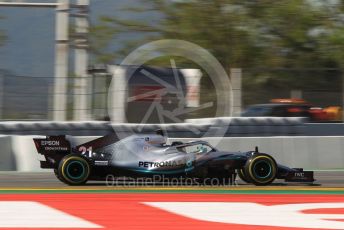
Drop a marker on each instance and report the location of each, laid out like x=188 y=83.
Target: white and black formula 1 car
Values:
x=145 y=155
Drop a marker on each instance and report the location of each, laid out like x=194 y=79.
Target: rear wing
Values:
x=52 y=145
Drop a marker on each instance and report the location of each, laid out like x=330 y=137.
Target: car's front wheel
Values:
x=260 y=169
x=242 y=175
x=73 y=170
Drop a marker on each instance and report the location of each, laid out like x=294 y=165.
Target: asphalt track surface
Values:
x=324 y=179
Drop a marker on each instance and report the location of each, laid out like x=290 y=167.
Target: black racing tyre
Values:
x=260 y=169
x=56 y=172
x=74 y=170
x=242 y=175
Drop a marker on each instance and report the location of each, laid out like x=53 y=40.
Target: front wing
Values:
x=295 y=174
x=300 y=176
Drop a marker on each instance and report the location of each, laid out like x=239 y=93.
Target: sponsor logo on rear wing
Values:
x=52 y=144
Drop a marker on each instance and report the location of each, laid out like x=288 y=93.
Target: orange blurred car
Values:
x=294 y=107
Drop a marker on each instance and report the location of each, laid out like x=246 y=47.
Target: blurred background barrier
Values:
x=330 y=129
x=221 y=126
x=208 y=127
x=55 y=128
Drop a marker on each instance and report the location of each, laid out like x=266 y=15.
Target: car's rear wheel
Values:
x=242 y=175
x=260 y=169
x=56 y=172
x=74 y=170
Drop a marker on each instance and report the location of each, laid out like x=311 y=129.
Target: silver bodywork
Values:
x=149 y=153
